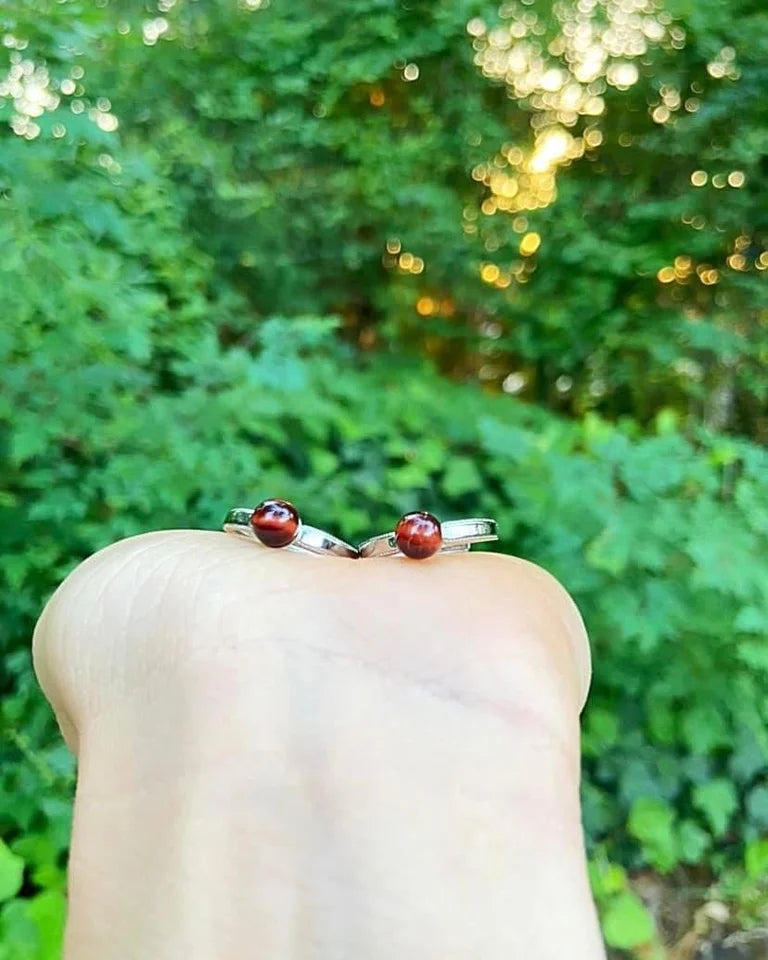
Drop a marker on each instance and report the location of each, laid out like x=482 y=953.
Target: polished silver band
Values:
x=308 y=539
x=458 y=536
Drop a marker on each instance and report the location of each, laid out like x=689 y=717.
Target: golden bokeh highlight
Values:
x=737 y=261
x=529 y=244
x=723 y=66
x=563 y=80
x=406 y=262
x=741 y=259
x=425 y=306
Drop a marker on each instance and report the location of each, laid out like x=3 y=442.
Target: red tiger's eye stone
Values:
x=418 y=535
x=275 y=523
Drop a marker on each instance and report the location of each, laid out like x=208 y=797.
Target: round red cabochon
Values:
x=275 y=523
x=418 y=535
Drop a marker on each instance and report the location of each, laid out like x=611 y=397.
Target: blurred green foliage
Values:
x=208 y=298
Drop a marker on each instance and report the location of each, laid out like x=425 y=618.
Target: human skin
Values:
x=294 y=758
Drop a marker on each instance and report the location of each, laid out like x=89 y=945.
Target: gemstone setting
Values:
x=418 y=535
x=275 y=523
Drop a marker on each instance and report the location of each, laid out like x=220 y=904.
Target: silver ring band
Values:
x=458 y=537
x=307 y=539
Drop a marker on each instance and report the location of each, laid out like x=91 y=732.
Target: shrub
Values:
x=661 y=538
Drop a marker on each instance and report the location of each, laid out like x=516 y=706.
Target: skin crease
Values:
x=299 y=758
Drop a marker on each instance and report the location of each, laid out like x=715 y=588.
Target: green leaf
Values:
x=748 y=757
x=27 y=443
x=611 y=549
x=694 y=842
x=606 y=879
x=717 y=801
x=462 y=477
x=704 y=728
x=19 y=934
x=627 y=923
x=757 y=807
x=752 y=619
x=651 y=821
x=48 y=912
x=756 y=859
x=754 y=653
x=11 y=872
x=601 y=730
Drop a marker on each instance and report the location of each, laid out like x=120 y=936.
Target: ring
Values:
x=276 y=523
x=420 y=535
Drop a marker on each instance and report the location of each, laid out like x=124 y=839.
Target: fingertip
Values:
x=509 y=598
x=551 y=592
x=86 y=613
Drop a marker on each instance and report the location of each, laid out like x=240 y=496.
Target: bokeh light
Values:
x=33 y=92
x=562 y=81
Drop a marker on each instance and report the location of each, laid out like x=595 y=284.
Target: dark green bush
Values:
x=661 y=537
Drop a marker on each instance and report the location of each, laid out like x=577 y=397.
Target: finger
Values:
x=313 y=733
x=414 y=613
